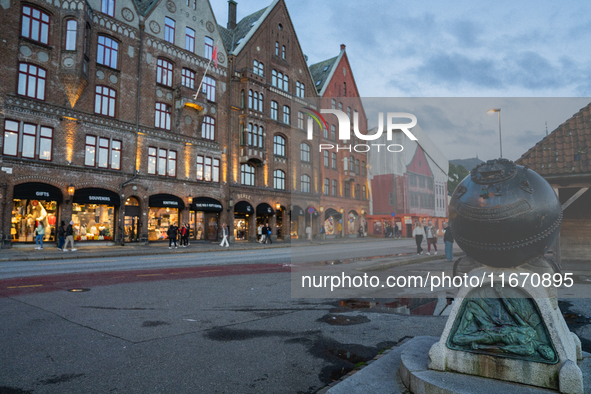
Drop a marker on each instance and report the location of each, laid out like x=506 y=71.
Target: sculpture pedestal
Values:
x=512 y=334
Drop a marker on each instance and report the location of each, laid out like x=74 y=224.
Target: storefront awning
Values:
x=38 y=191
x=206 y=204
x=243 y=207
x=264 y=209
x=297 y=211
x=98 y=196
x=165 y=201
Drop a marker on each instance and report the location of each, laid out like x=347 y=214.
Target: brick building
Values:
x=274 y=174
x=344 y=198
x=100 y=123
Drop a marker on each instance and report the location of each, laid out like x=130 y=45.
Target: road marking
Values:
x=19 y=287
x=76 y=262
x=151 y=275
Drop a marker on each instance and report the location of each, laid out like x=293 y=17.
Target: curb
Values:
x=401 y=263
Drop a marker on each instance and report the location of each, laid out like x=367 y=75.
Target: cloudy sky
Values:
x=457 y=49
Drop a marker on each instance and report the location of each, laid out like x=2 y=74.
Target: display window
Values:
x=93 y=222
x=26 y=216
x=159 y=220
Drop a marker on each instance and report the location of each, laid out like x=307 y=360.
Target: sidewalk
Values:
x=86 y=250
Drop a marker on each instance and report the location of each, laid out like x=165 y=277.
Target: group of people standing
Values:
x=264 y=233
x=430 y=232
x=181 y=233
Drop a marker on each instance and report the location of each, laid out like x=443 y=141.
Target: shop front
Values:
x=297 y=222
x=164 y=211
x=264 y=215
x=94 y=214
x=331 y=222
x=204 y=219
x=34 y=203
x=131 y=221
x=353 y=223
x=243 y=212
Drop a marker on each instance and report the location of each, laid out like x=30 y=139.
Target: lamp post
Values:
x=491 y=111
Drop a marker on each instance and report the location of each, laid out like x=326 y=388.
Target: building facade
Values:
x=344 y=199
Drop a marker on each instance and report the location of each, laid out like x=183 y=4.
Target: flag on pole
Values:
x=214 y=56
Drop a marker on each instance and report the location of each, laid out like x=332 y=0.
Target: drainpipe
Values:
x=137 y=131
x=3 y=240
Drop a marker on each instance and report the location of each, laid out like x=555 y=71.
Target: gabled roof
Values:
x=565 y=151
x=322 y=72
x=235 y=39
x=144 y=6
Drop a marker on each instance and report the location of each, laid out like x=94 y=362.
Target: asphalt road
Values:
x=299 y=254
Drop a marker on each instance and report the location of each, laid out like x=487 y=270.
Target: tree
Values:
x=456 y=175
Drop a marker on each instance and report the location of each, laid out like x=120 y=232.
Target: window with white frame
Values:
x=276 y=48
x=300 y=91
x=169 y=29
x=102 y=152
x=247 y=174
x=104 y=101
x=162 y=116
x=286 y=117
x=304 y=152
x=258 y=68
x=192 y=4
x=209 y=88
x=107 y=51
x=35 y=24
x=278 y=145
x=283 y=52
x=31 y=81
x=274 y=110
x=188 y=78
x=305 y=184
x=208 y=128
x=279 y=180
x=300 y=120
x=190 y=39
x=36 y=142
x=164 y=72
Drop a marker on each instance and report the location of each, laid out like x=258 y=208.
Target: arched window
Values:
x=208 y=48
x=208 y=128
x=305 y=152
x=276 y=48
x=71 y=31
x=305 y=183
x=255 y=136
x=247 y=174
x=242 y=98
x=283 y=52
x=286 y=118
x=279 y=145
x=258 y=68
x=250 y=96
x=346 y=163
x=279 y=179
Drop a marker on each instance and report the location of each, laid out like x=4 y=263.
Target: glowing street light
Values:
x=492 y=111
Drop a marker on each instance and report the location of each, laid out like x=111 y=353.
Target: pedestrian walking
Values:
x=448 y=240
x=418 y=233
x=184 y=235
x=396 y=231
x=172 y=234
x=309 y=233
x=61 y=235
x=188 y=233
x=225 y=233
x=69 y=237
x=40 y=233
x=360 y=232
x=431 y=233
x=267 y=232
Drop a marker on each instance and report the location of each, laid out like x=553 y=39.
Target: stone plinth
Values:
x=551 y=362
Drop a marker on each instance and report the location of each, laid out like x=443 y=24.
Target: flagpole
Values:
x=207 y=68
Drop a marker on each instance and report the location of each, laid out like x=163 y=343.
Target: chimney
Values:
x=231 y=14
x=342 y=47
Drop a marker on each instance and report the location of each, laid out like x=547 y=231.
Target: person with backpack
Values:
x=267 y=232
x=69 y=237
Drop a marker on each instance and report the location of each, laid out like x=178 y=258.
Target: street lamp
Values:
x=492 y=111
x=190 y=199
